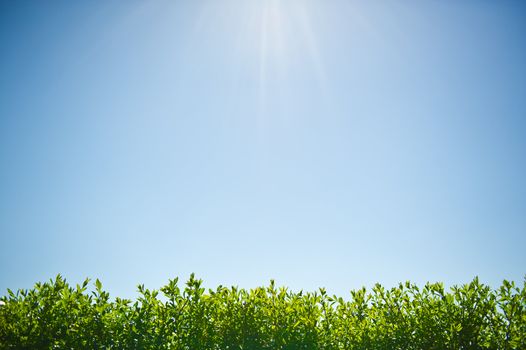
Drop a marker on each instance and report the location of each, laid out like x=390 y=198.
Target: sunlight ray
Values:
x=263 y=53
x=312 y=47
x=272 y=39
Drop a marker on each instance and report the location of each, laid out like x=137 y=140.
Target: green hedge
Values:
x=55 y=315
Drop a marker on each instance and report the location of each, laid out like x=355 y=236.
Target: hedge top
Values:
x=55 y=315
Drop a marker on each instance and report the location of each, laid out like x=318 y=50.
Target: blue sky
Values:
x=320 y=143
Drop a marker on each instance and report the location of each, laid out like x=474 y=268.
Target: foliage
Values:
x=55 y=315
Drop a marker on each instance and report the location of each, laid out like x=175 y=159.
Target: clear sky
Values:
x=319 y=142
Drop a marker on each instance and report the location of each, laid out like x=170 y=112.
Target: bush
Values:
x=55 y=315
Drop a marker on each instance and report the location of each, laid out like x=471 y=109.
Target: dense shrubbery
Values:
x=56 y=315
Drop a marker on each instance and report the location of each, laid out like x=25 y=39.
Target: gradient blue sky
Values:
x=320 y=143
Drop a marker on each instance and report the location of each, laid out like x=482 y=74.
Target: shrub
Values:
x=55 y=315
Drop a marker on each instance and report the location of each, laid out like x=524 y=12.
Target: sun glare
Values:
x=272 y=37
x=285 y=31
